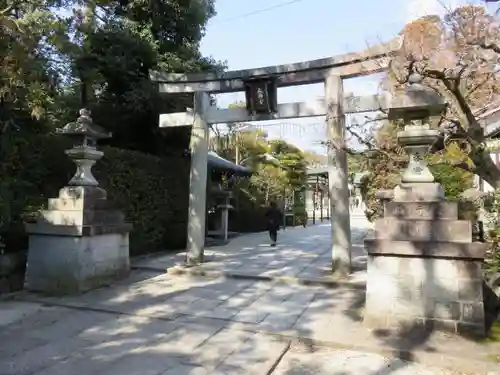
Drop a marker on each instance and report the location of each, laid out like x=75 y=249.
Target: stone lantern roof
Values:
x=84 y=126
x=416 y=102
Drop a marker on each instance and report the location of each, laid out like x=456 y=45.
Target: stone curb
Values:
x=329 y=283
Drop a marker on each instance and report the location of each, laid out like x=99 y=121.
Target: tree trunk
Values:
x=486 y=169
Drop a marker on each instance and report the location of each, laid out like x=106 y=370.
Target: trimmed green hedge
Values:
x=151 y=191
x=153 y=194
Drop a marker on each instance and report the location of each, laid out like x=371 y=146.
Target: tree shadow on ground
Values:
x=152 y=323
x=88 y=336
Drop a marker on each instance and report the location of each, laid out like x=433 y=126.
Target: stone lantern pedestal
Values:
x=80 y=241
x=424 y=270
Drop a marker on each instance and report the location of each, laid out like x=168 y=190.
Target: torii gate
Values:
x=261 y=86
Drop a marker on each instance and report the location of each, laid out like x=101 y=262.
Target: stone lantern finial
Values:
x=84 y=153
x=415 y=78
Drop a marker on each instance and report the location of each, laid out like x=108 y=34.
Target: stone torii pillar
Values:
x=338 y=176
x=198 y=180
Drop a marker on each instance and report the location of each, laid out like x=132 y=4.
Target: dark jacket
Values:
x=274 y=217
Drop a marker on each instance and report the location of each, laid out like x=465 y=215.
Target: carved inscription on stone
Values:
x=398 y=211
x=420 y=210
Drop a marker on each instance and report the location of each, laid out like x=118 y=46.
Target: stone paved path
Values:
x=301 y=253
x=155 y=323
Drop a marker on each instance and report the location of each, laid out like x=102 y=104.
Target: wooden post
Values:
x=337 y=177
x=198 y=180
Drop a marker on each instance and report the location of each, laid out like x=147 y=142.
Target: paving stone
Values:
x=216 y=313
x=128 y=328
x=13 y=311
x=201 y=304
x=159 y=310
x=186 y=370
x=256 y=356
x=144 y=364
x=70 y=325
x=277 y=322
x=250 y=316
x=213 y=293
x=301 y=298
x=94 y=359
x=239 y=302
x=14 y=345
x=215 y=350
x=44 y=316
x=181 y=342
x=41 y=357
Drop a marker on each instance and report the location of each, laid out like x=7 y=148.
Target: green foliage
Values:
x=491 y=204
x=454 y=180
x=270 y=180
x=293 y=162
x=33 y=168
x=355 y=164
x=387 y=165
x=151 y=191
x=153 y=194
x=58 y=56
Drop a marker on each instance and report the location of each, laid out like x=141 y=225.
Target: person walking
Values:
x=274 y=219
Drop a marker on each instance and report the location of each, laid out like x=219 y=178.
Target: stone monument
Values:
x=81 y=241
x=424 y=270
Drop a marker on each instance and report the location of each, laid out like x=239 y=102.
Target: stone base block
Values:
x=422 y=210
x=425 y=249
x=418 y=192
x=395 y=229
x=409 y=291
x=67 y=264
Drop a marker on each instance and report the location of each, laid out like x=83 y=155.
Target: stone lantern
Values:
x=424 y=270
x=84 y=153
x=80 y=241
x=415 y=107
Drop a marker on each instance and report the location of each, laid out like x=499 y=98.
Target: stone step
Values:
x=423 y=230
x=422 y=210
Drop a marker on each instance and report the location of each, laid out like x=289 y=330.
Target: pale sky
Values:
x=307 y=30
